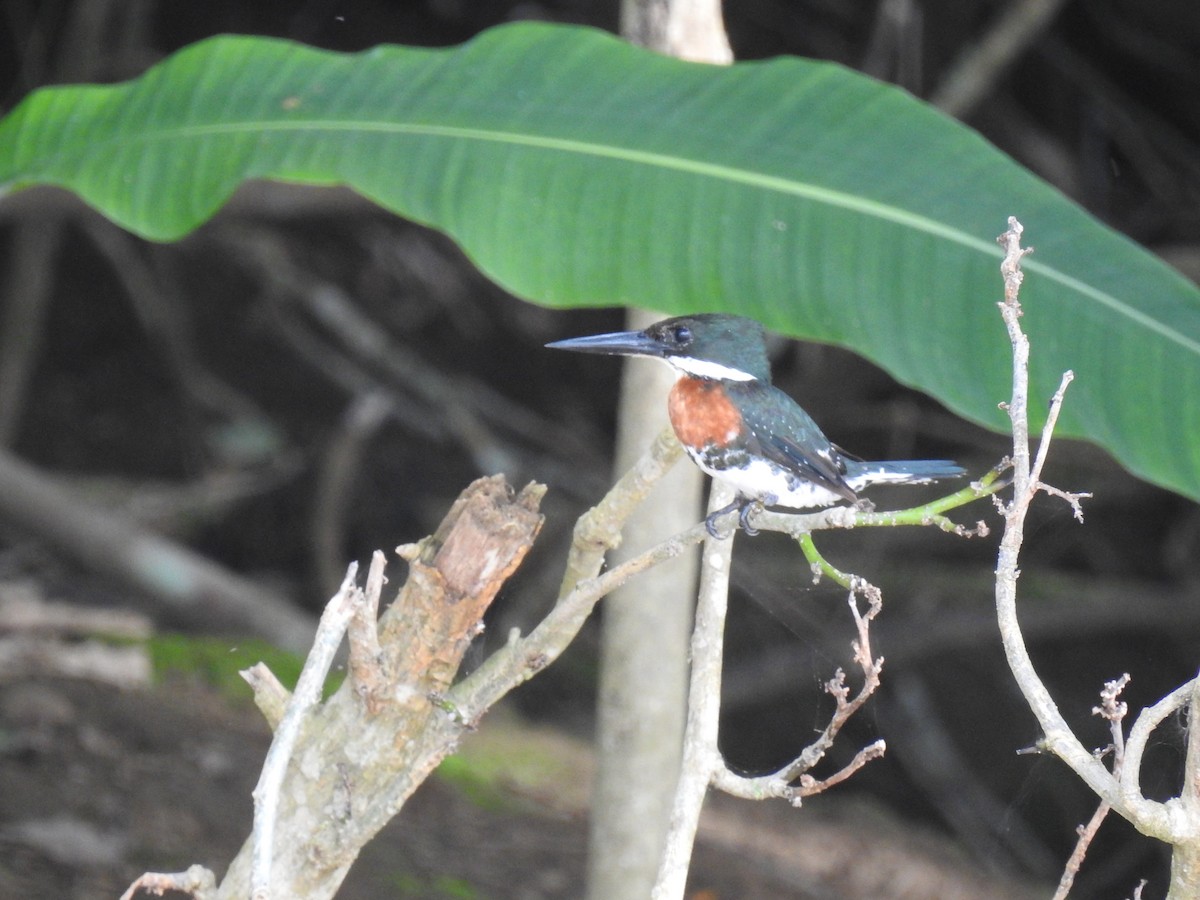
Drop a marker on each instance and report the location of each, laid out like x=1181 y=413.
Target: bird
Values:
x=741 y=429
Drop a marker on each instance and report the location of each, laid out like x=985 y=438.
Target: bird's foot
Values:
x=710 y=523
x=743 y=507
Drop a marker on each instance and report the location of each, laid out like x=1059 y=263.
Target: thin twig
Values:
x=270 y=696
x=306 y=696
x=1035 y=475
x=523 y=657
x=1114 y=711
x=810 y=786
x=368 y=674
x=819 y=565
x=197 y=881
x=1086 y=834
x=544 y=644
x=599 y=529
x=781 y=783
x=846 y=706
x=1139 y=735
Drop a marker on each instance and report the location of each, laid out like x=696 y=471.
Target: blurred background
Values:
x=307 y=378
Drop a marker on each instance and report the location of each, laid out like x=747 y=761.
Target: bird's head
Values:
x=709 y=345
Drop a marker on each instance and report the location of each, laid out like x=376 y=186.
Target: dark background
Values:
x=210 y=359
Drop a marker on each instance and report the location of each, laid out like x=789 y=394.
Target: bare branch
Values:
x=701 y=758
x=357 y=763
x=270 y=696
x=523 y=657
x=1114 y=710
x=306 y=696
x=782 y=782
x=810 y=786
x=367 y=671
x=197 y=881
x=1139 y=735
x=1156 y=819
x=1035 y=474
x=597 y=531
x=1086 y=834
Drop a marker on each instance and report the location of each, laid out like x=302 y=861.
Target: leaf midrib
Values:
x=775 y=183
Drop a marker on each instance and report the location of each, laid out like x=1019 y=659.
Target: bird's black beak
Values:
x=623 y=343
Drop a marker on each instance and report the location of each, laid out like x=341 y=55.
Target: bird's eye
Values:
x=681 y=335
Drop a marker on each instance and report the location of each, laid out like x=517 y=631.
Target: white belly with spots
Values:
x=775 y=486
x=769 y=483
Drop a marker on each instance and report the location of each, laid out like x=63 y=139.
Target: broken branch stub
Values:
x=362 y=753
x=453 y=579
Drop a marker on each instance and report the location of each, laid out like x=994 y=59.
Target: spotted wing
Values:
x=779 y=430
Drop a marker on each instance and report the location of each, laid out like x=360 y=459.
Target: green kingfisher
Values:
x=741 y=429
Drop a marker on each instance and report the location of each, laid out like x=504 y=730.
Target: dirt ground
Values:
x=99 y=784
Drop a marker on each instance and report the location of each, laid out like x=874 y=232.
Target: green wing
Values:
x=779 y=430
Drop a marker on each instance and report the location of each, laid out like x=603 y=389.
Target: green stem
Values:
x=819 y=563
x=928 y=514
x=798 y=524
x=931 y=513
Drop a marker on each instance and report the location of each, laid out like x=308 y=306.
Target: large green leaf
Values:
x=577 y=170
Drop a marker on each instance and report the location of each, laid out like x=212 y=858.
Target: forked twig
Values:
x=1113 y=710
x=1176 y=822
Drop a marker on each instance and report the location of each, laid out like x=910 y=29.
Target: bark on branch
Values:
x=340 y=769
x=1175 y=821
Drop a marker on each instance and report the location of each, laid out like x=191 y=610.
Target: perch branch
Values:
x=701 y=758
x=799 y=524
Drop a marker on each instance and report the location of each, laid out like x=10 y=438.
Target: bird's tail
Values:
x=902 y=471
